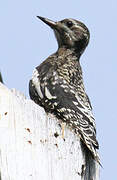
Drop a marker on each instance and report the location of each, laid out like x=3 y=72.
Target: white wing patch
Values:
x=48 y=95
x=36 y=82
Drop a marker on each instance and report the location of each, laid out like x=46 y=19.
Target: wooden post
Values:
x=33 y=145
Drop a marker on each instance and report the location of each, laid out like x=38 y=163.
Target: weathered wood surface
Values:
x=33 y=145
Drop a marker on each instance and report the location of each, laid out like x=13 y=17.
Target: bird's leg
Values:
x=63 y=128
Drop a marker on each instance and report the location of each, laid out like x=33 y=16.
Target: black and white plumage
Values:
x=57 y=84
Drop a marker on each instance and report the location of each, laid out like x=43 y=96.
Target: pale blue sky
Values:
x=25 y=42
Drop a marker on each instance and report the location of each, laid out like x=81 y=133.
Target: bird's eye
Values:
x=69 y=24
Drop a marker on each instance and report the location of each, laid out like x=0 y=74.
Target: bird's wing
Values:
x=57 y=95
x=88 y=101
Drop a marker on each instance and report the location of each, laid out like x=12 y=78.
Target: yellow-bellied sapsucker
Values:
x=57 y=84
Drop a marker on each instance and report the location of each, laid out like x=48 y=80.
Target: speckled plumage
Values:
x=57 y=83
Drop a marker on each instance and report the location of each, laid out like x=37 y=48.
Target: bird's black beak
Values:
x=49 y=22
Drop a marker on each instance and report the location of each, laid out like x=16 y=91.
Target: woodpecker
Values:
x=57 y=83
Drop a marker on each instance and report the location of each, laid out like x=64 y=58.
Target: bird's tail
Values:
x=96 y=156
x=93 y=151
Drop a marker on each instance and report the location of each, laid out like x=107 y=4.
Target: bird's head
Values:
x=69 y=33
